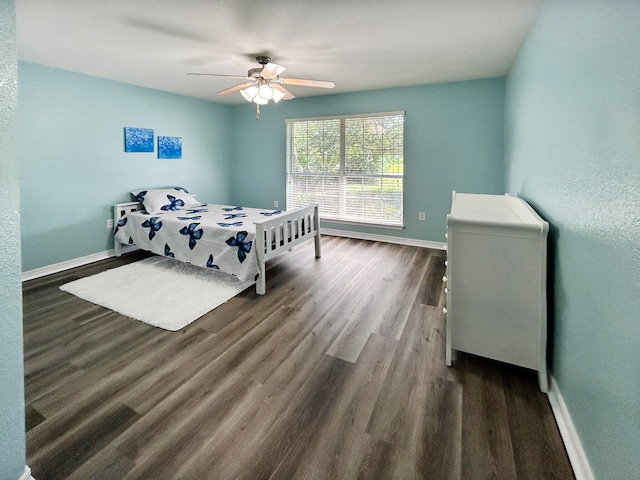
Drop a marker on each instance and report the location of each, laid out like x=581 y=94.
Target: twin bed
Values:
x=233 y=239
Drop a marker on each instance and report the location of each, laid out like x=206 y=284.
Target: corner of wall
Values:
x=12 y=411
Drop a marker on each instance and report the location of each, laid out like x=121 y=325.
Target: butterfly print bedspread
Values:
x=209 y=236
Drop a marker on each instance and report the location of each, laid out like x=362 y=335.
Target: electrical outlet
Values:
x=276 y=203
x=110 y=223
x=422 y=216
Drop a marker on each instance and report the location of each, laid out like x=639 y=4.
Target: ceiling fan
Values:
x=264 y=83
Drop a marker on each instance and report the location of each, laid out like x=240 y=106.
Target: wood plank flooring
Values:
x=337 y=373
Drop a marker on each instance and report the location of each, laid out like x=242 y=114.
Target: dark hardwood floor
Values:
x=337 y=373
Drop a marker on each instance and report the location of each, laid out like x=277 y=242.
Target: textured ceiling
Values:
x=358 y=44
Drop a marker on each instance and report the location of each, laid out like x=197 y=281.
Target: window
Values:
x=351 y=166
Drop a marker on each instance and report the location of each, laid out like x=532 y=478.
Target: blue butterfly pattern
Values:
x=180 y=189
x=121 y=223
x=197 y=217
x=234 y=224
x=194 y=234
x=231 y=209
x=193 y=211
x=268 y=214
x=243 y=247
x=140 y=196
x=173 y=205
x=168 y=252
x=154 y=225
x=210 y=263
x=229 y=216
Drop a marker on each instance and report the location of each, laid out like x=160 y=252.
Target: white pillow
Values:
x=160 y=200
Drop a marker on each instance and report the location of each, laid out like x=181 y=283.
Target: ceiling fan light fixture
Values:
x=266 y=91
x=277 y=95
x=265 y=83
x=259 y=100
x=249 y=93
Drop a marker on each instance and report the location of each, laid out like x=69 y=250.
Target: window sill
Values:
x=390 y=226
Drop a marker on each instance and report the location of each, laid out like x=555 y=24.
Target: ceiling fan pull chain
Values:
x=257 y=112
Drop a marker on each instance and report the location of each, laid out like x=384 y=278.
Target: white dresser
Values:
x=496 y=281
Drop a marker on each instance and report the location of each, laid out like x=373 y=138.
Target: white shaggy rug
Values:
x=159 y=291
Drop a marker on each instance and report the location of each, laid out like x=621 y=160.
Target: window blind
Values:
x=351 y=166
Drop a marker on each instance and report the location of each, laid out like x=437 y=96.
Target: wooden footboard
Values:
x=283 y=232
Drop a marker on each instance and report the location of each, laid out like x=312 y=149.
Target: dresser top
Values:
x=497 y=210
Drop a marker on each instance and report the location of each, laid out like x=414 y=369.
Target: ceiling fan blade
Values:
x=287 y=94
x=235 y=88
x=272 y=70
x=307 y=83
x=218 y=75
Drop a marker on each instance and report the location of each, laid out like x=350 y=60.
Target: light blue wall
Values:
x=72 y=161
x=573 y=151
x=453 y=141
x=71 y=152
x=12 y=435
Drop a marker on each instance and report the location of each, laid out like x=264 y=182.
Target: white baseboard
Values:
x=414 y=242
x=73 y=263
x=95 y=257
x=26 y=475
x=570 y=437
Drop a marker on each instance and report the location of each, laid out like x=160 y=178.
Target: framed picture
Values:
x=138 y=139
x=169 y=147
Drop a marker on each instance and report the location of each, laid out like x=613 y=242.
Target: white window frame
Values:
x=342 y=175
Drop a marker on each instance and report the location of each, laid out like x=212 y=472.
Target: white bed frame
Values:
x=278 y=233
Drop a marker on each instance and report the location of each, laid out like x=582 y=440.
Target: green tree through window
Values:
x=351 y=166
